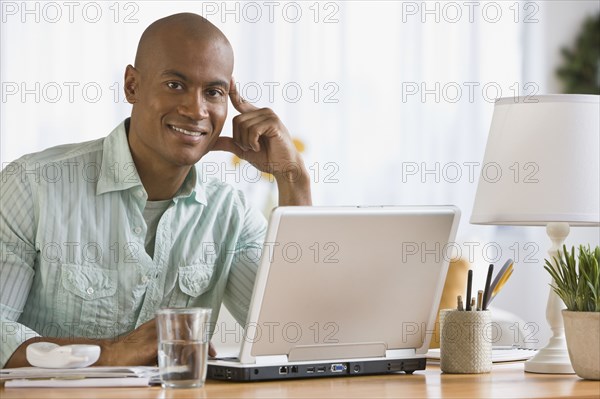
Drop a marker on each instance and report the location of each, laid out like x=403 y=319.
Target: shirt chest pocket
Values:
x=192 y=282
x=88 y=295
x=195 y=279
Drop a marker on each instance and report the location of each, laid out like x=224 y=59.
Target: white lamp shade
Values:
x=541 y=162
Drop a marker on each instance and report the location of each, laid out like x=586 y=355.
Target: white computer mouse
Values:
x=53 y=356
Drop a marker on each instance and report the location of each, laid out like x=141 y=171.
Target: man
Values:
x=89 y=260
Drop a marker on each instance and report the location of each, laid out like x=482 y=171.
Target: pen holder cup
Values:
x=466 y=341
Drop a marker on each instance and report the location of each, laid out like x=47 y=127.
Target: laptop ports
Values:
x=283 y=370
x=321 y=369
x=338 y=367
x=310 y=370
x=218 y=373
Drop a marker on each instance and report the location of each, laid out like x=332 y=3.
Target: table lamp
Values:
x=541 y=168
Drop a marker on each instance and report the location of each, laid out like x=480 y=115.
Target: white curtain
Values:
x=391 y=99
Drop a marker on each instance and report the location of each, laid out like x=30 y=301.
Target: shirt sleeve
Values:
x=242 y=274
x=17 y=256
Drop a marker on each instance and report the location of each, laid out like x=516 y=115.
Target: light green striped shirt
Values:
x=72 y=234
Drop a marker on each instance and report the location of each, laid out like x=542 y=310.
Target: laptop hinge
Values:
x=400 y=353
x=274 y=359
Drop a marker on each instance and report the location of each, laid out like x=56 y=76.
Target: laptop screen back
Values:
x=357 y=279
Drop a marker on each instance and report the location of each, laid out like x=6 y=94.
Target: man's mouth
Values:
x=195 y=133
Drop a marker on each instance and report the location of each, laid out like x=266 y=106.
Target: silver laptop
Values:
x=344 y=291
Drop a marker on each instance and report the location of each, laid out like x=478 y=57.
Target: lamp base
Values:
x=554 y=357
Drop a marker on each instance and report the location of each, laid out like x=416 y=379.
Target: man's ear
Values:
x=131 y=84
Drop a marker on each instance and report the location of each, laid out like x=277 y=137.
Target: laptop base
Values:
x=315 y=370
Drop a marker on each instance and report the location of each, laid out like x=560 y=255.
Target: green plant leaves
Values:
x=577 y=282
x=579 y=70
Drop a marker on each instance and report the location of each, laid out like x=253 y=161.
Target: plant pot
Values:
x=582 y=330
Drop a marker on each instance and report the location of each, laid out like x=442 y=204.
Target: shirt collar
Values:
x=190 y=188
x=118 y=171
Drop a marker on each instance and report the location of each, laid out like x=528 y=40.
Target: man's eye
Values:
x=174 y=85
x=214 y=93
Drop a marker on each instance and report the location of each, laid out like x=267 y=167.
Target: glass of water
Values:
x=183 y=339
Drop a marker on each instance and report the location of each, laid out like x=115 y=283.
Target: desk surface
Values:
x=505 y=381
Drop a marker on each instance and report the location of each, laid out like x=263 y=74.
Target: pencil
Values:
x=469 y=284
x=486 y=291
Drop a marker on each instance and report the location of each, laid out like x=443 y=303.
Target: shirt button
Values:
x=137 y=230
x=90 y=291
x=145 y=279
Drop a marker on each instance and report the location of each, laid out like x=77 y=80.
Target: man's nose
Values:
x=194 y=106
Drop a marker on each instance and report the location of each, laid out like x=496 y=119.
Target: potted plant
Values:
x=577 y=283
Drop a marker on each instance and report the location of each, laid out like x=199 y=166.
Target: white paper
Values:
x=498 y=355
x=86 y=372
x=79 y=383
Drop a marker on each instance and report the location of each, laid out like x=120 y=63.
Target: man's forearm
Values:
x=294 y=188
x=138 y=348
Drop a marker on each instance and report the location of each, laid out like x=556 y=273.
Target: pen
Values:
x=486 y=291
x=473 y=303
x=501 y=273
x=469 y=283
x=459 y=303
x=479 y=299
x=496 y=290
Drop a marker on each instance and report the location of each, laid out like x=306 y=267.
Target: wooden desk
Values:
x=505 y=381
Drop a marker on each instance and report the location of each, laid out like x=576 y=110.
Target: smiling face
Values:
x=179 y=91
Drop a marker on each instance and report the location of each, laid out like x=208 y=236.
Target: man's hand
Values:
x=260 y=138
x=138 y=348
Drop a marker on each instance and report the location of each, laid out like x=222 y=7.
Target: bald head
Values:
x=174 y=30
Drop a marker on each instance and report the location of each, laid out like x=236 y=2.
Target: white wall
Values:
x=527 y=292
